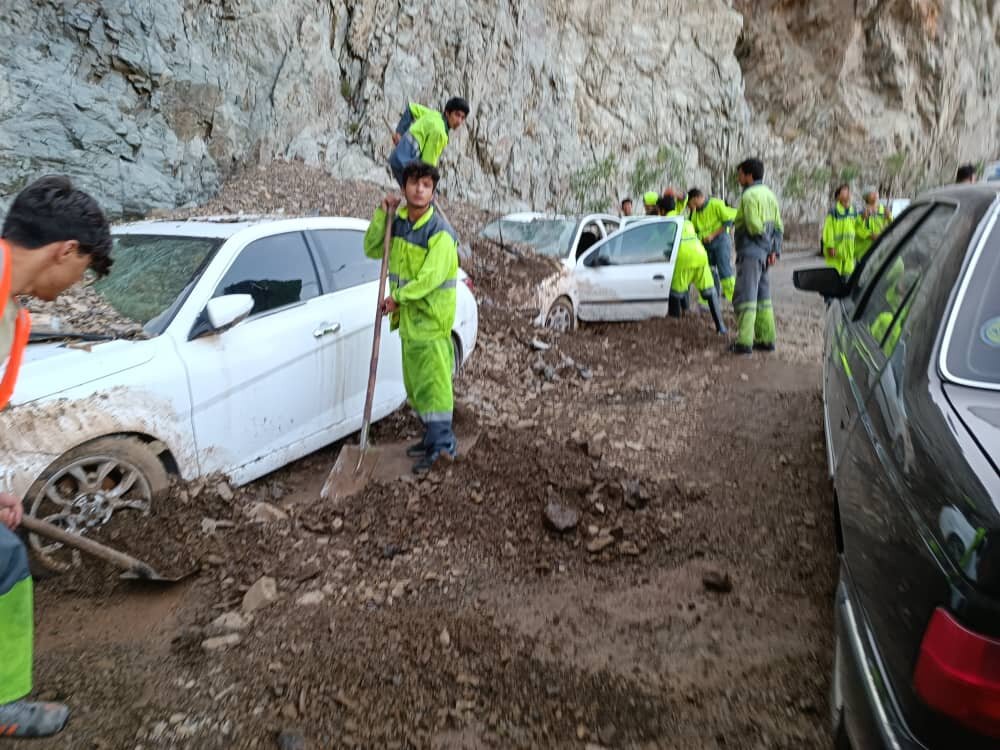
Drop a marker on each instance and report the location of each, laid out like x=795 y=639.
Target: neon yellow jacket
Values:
x=692 y=264
x=423 y=272
x=430 y=130
x=867 y=228
x=714 y=215
x=758 y=225
x=680 y=207
x=839 y=231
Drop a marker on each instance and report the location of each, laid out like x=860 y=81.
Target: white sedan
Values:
x=257 y=352
x=610 y=270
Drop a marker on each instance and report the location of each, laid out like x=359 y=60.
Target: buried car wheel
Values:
x=560 y=316
x=87 y=486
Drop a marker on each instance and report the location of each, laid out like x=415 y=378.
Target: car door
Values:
x=256 y=387
x=350 y=280
x=627 y=276
x=883 y=537
x=844 y=383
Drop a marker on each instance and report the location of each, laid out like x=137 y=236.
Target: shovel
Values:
x=356 y=464
x=134 y=569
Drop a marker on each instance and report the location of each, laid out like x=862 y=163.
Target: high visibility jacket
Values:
x=839 y=231
x=758 y=225
x=423 y=272
x=15 y=328
x=867 y=228
x=428 y=127
x=691 y=266
x=679 y=208
x=713 y=216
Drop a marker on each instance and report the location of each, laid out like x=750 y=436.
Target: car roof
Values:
x=224 y=227
x=981 y=189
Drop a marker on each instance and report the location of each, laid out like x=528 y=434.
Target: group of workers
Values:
x=705 y=254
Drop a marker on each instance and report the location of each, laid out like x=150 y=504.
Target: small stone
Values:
x=509 y=550
x=262 y=594
x=399 y=589
x=177 y=718
x=230 y=622
x=600 y=543
x=585 y=373
x=221 y=642
x=628 y=548
x=809 y=519
x=592 y=530
x=291 y=739
x=607 y=734
x=214 y=560
x=715 y=580
x=289 y=711
x=599 y=507
x=560 y=518
x=540 y=346
x=597 y=445
x=445 y=638
x=310 y=599
x=224 y=491
x=581 y=732
x=783 y=459
x=744 y=377
x=266 y=513
x=337 y=524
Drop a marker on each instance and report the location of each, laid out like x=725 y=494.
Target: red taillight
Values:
x=468 y=282
x=958 y=674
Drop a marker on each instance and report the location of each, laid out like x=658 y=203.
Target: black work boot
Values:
x=417 y=450
x=764 y=347
x=673 y=307
x=741 y=349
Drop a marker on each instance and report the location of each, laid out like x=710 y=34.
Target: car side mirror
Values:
x=221 y=313
x=825 y=281
x=600 y=258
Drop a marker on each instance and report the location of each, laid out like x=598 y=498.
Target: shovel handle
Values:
x=116 y=558
x=377 y=338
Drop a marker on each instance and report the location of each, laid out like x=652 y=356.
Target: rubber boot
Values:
x=673 y=306
x=716 y=310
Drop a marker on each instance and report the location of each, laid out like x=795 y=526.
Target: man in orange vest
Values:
x=52 y=234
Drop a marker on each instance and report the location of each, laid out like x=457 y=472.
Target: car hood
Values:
x=50 y=369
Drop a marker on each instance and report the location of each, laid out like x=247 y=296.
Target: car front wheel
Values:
x=87 y=486
x=561 y=317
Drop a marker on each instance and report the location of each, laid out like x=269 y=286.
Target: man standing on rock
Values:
x=422 y=134
x=423 y=276
x=52 y=234
x=759 y=232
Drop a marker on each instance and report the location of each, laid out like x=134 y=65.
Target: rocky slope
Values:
x=150 y=104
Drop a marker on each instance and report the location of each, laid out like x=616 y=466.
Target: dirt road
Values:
x=689 y=606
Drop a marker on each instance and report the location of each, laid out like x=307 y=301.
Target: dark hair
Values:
x=51 y=210
x=965 y=173
x=752 y=167
x=694 y=193
x=836 y=193
x=417 y=170
x=457 y=104
x=666 y=203
x=626 y=200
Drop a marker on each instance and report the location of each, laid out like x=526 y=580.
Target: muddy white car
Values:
x=256 y=348
x=607 y=272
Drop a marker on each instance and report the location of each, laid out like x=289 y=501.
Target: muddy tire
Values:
x=84 y=488
x=561 y=316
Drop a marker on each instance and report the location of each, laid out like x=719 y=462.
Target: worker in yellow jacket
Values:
x=422 y=134
x=840 y=232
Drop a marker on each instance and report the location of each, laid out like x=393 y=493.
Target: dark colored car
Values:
x=912 y=417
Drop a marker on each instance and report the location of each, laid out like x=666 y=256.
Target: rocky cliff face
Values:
x=150 y=103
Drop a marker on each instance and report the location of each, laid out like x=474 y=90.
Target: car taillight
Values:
x=468 y=282
x=958 y=674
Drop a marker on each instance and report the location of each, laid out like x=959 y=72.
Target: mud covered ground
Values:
x=688 y=606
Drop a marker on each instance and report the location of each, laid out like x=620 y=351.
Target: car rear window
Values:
x=973 y=352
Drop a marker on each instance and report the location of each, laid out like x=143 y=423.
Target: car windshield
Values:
x=545 y=235
x=974 y=349
x=152 y=275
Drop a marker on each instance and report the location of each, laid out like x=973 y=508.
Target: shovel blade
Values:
x=350 y=474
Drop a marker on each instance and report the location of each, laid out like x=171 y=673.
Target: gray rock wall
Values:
x=150 y=103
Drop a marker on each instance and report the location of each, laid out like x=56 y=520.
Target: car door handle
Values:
x=325 y=329
x=659 y=277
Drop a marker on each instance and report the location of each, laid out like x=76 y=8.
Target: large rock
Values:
x=262 y=594
x=150 y=103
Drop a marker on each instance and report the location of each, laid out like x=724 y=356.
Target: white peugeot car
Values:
x=610 y=270
x=257 y=349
